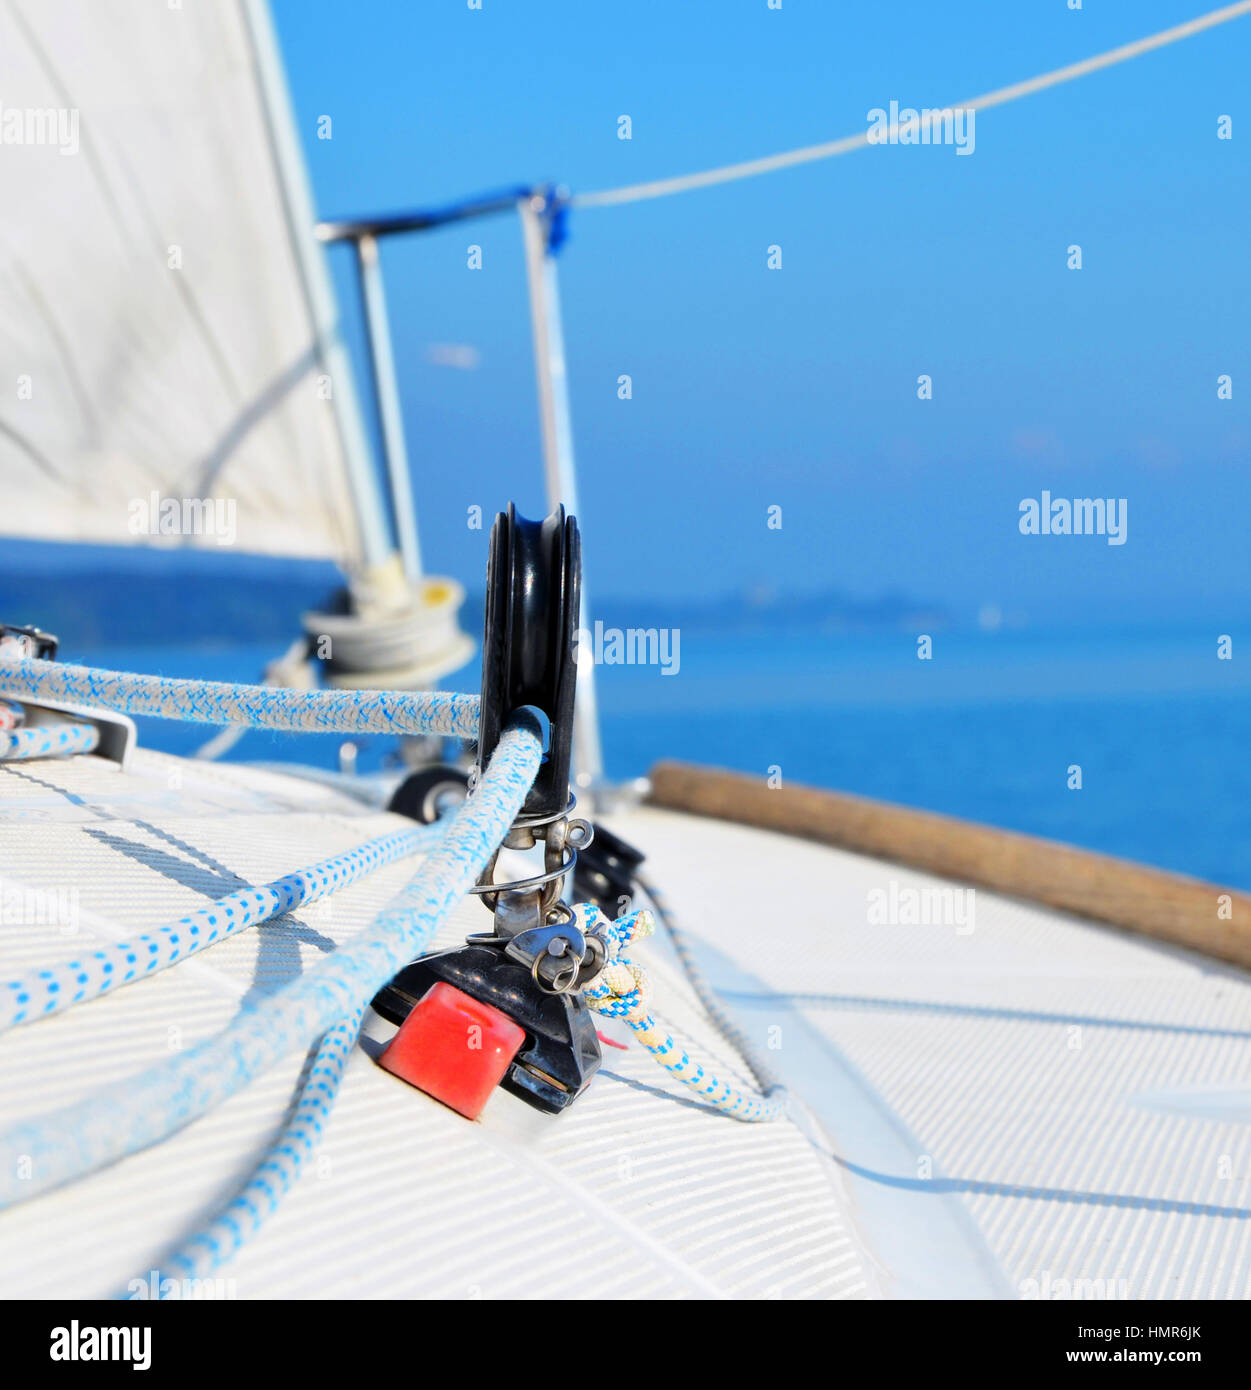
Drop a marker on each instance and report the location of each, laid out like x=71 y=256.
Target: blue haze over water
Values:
x=985 y=730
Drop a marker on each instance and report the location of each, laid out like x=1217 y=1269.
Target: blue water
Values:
x=986 y=730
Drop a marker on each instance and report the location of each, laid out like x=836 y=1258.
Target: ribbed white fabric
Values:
x=178 y=392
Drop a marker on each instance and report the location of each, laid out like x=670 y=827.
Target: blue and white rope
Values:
x=220 y=1239
x=259 y=706
x=621 y=991
x=47 y=741
x=766 y=1078
x=133 y=1114
x=111 y=966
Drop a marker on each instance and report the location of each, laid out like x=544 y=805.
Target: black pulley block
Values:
x=534 y=577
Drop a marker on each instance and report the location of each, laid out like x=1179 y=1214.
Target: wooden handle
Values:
x=1166 y=906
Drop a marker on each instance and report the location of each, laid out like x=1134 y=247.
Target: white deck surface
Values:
x=636 y=1191
x=1078 y=1099
x=993 y=1113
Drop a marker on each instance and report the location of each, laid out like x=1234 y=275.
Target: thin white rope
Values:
x=683 y=183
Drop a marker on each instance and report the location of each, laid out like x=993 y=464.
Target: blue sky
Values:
x=798 y=387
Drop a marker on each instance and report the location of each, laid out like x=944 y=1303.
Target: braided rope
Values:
x=259 y=706
x=766 y=1078
x=55 y=988
x=622 y=991
x=121 y=1119
x=47 y=741
x=221 y=1238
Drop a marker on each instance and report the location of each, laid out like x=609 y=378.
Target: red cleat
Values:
x=454 y=1048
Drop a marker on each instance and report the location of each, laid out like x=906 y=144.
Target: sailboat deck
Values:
x=637 y=1191
x=1015 y=1104
x=1076 y=1097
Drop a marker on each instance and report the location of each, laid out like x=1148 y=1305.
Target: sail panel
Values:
x=162 y=378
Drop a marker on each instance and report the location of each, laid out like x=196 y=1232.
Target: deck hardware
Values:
x=117 y=731
x=533 y=588
x=17 y=641
x=428 y=793
x=430 y=1053
x=534 y=961
x=606 y=872
x=561 y=1052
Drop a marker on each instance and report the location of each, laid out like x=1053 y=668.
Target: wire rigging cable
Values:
x=768 y=164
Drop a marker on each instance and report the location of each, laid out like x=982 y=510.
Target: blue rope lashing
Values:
x=557 y=224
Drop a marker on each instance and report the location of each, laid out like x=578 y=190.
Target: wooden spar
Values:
x=1167 y=907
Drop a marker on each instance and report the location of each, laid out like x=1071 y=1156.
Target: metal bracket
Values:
x=117 y=731
x=27 y=641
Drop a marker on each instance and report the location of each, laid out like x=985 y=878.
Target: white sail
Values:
x=163 y=379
